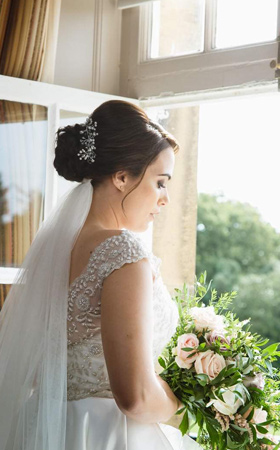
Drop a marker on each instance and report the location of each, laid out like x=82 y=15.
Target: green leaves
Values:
x=202 y=379
x=261 y=429
x=162 y=362
x=184 y=425
x=271 y=350
x=218 y=377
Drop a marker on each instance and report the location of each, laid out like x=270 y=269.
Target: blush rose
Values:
x=183 y=358
x=209 y=363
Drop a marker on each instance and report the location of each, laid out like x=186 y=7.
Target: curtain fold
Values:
x=28 y=38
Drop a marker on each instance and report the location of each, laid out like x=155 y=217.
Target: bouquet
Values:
x=222 y=373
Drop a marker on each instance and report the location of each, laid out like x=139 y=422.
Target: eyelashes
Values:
x=160 y=185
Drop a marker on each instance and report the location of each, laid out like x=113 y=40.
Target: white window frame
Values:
x=213 y=69
x=55 y=98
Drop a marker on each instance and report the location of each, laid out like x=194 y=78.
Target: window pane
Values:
x=177 y=28
x=238 y=154
x=23 y=144
x=242 y=22
x=238 y=230
x=68 y=118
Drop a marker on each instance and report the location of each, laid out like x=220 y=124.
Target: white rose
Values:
x=206 y=318
x=209 y=363
x=260 y=415
x=231 y=403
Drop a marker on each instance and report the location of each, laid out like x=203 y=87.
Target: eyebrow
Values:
x=165 y=175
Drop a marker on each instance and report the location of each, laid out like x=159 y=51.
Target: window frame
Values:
x=212 y=69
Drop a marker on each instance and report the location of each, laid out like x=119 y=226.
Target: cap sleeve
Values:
x=119 y=250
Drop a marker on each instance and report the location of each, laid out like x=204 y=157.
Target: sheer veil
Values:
x=33 y=333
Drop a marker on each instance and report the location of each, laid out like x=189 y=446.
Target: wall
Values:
x=88 y=50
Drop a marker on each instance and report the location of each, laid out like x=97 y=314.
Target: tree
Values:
x=233 y=240
x=259 y=298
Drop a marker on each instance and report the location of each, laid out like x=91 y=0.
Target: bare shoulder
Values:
x=99 y=236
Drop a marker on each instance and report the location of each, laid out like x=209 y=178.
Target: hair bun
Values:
x=66 y=161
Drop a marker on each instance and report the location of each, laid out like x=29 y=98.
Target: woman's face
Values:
x=144 y=202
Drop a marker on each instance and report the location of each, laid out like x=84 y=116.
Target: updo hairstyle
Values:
x=127 y=140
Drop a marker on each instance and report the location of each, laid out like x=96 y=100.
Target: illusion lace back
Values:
x=86 y=369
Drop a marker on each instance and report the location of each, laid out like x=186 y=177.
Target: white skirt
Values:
x=98 y=424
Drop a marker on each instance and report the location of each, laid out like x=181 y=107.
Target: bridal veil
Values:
x=33 y=339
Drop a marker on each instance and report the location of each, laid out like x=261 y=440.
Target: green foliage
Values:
x=259 y=298
x=244 y=354
x=232 y=239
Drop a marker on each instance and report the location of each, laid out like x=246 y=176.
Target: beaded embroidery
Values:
x=86 y=368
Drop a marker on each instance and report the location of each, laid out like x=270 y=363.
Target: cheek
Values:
x=143 y=199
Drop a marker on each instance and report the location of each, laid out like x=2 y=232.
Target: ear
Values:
x=120 y=180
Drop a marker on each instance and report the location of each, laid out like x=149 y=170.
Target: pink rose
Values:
x=188 y=340
x=256 y=381
x=217 y=336
x=209 y=363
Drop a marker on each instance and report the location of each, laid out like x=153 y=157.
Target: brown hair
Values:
x=127 y=140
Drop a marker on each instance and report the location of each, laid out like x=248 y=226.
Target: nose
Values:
x=164 y=199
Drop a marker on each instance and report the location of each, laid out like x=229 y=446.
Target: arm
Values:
x=127 y=333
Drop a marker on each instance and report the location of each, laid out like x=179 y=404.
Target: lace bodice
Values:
x=86 y=369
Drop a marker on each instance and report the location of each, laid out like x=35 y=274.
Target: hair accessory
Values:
x=153 y=127
x=87 y=152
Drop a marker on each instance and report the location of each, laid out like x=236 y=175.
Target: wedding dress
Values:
x=94 y=421
x=54 y=388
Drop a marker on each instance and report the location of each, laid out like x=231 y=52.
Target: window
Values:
x=238 y=230
x=23 y=143
x=161 y=57
x=224 y=194
x=177 y=28
x=256 y=21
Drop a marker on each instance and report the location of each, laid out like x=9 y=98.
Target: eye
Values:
x=160 y=185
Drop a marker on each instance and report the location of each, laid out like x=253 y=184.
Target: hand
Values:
x=168 y=391
x=175 y=420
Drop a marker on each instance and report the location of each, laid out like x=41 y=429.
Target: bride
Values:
x=88 y=314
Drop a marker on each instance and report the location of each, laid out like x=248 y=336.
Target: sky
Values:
x=239 y=152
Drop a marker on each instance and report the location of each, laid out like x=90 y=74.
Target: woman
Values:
x=92 y=385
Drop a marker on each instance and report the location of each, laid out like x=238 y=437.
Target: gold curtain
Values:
x=28 y=38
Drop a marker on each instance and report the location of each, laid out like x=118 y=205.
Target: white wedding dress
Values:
x=94 y=421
